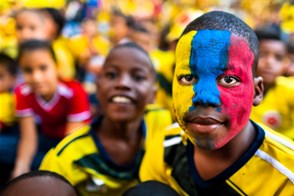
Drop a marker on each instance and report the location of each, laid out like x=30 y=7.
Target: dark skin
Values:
x=211 y=163
x=125 y=86
x=272 y=61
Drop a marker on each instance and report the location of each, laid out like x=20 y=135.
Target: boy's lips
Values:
x=203 y=123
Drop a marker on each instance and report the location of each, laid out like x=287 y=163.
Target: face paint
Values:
x=213 y=86
x=208 y=60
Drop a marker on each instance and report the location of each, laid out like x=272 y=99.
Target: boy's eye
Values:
x=27 y=70
x=110 y=74
x=43 y=67
x=138 y=77
x=187 y=79
x=228 y=81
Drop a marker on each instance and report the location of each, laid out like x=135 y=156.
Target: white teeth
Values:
x=120 y=99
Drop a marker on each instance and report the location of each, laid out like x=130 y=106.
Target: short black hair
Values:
x=35 y=44
x=131 y=44
x=220 y=20
x=8 y=63
x=37 y=173
x=129 y=20
x=57 y=17
x=269 y=32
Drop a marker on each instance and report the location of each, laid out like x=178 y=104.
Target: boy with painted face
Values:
x=216 y=149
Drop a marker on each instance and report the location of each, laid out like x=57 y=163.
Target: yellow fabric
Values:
x=79 y=45
x=79 y=145
x=7 y=108
x=65 y=60
x=275 y=168
x=277 y=108
x=287 y=17
x=58 y=4
x=8 y=40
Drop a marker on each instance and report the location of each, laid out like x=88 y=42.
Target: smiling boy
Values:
x=216 y=149
x=104 y=158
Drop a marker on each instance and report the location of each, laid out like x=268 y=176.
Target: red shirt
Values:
x=69 y=103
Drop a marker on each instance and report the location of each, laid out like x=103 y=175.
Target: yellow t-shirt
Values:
x=170 y=159
x=80 y=46
x=65 y=60
x=7 y=116
x=81 y=158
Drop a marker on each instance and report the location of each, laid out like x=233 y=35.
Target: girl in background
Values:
x=57 y=107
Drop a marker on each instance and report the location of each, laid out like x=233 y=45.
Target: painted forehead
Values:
x=209 y=51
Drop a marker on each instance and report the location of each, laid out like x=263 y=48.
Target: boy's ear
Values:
x=258 y=90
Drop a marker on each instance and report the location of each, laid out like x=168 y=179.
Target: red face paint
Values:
x=236 y=101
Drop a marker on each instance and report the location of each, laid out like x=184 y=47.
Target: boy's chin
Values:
x=206 y=143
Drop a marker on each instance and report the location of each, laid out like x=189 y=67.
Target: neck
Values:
x=118 y=130
x=210 y=163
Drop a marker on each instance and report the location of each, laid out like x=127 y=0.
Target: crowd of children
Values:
x=96 y=110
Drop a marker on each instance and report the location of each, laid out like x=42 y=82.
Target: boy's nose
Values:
x=206 y=94
x=124 y=81
x=36 y=75
x=270 y=61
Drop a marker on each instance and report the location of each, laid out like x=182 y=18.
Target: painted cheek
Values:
x=237 y=101
x=182 y=95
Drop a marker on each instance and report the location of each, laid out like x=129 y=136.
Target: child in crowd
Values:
x=216 y=149
x=104 y=158
x=277 y=107
x=8 y=125
x=8 y=73
x=57 y=107
x=36 y=183
x=120 y=27
x=53 y=25
x=40 y=24
x=29 y=24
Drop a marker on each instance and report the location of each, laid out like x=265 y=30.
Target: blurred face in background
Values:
x=272 y=60
x=6 y=79
x=29 y=25
x=118 y=28
x=40 y=72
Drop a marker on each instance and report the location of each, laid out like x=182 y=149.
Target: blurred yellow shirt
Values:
x=65 y=60
x=7 y=116
x=277 y=108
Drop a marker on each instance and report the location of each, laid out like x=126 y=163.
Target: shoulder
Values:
x=286 y=83
x=168 y=138
x=76 y=144
x=70 y=88
x=156 y=119
x=278 y=151
x=23 y=90
x=154 y=112
x=160 y=153
x=73 y=84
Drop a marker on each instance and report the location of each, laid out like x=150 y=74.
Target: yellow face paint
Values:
x=182 y=94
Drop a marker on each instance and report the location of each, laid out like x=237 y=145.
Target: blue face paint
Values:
x=209 y=57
